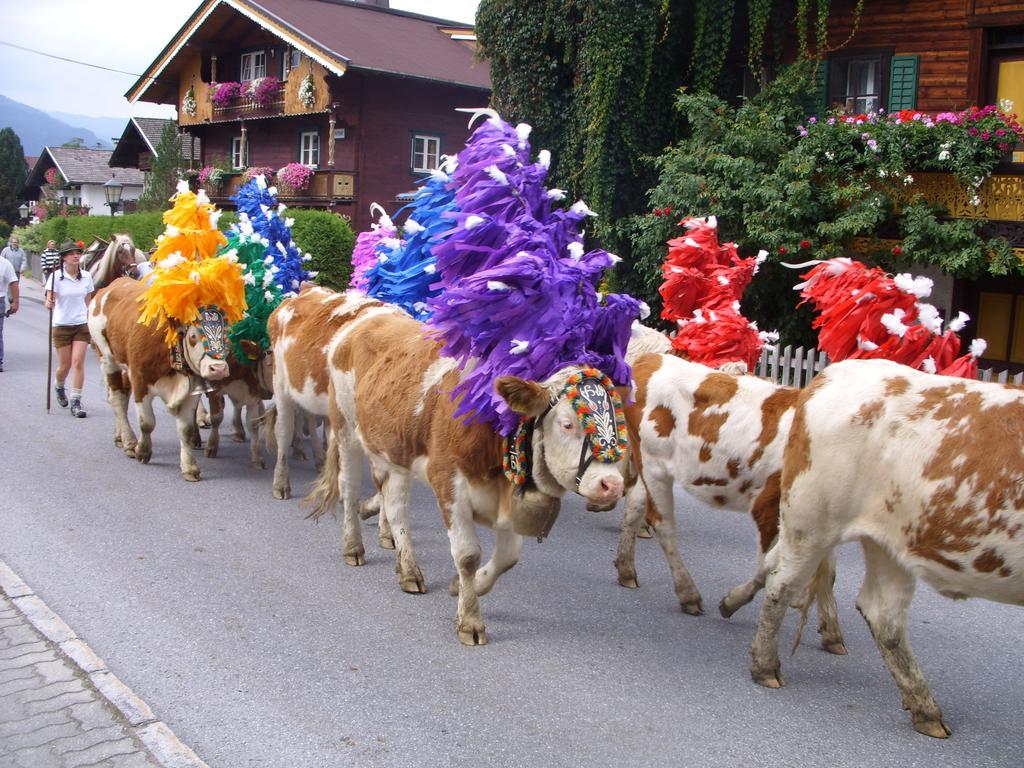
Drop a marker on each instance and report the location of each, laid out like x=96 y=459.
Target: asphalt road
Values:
x=236 y=620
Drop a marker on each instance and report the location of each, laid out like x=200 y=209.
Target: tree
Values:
x=75 y=143
x=12 y=174
x=165 y=169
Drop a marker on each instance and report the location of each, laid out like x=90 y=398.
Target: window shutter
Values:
x=903 y=83
x=816 y=101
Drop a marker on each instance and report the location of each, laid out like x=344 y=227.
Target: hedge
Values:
x=327 y=236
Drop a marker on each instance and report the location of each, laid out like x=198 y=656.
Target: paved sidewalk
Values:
x=31 y=290
x=59 y=705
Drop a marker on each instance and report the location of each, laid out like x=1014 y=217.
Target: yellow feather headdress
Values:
x=187 y=273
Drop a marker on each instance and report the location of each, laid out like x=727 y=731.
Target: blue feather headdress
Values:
x=404 y=273
x=519 y=295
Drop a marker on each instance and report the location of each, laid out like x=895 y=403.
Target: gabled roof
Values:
x=81 y=166
x=340 y=34
x=142 y=134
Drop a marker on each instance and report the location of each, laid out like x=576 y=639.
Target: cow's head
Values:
x=205 y=344
x=262 y=361
x=578 y=433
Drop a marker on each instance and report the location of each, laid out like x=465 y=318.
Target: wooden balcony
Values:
x=243 y=107
x=325 y=188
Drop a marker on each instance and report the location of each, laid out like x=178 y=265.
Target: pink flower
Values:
x=985 y=135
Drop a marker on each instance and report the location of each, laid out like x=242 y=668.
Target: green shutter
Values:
x=815 y=102
x=903 y=83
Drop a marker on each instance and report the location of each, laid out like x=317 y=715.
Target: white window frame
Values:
x=309 y=155
x=426 y=152
x=290 y=61
x=253 y=65
x=239 y=162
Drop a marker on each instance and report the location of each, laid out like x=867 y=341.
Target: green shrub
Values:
x=142 y=227
x=31 y=237
x=329 y=238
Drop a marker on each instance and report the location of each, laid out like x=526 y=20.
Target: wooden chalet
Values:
x=939 y=56
x=379 y=114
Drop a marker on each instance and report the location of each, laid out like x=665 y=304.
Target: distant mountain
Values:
x=107 y=128
x=36 y=129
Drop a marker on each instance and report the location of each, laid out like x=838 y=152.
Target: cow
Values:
x=388 y=391
x=247 y=385
x=135 y=358
x=719 y=437
x=928 y=473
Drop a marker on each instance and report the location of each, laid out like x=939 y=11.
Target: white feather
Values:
x=978 y=347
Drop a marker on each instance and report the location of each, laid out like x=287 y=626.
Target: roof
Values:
x=81 y=166
x=340 y=34
x=142 y=134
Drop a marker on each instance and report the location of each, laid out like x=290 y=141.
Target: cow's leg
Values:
x=796 y=565
x=298 y=431
x=395 y=492
x=883 y=601
x=253 y=413
x=202 y=416
x=632 y=517
x=147 y=423
x=665 y=532
x=316 y=444
x=372 y=506
x=215 y=419
x=284 y=430
x=742 y=594
x=117 y=395
x=185 y=421
x=237 y=427
x=350 y=481
x=466 y=553
x=507 y=545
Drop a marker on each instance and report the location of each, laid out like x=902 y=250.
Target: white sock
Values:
x=76 y=394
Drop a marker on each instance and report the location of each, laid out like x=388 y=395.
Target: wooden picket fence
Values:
x=796 y=367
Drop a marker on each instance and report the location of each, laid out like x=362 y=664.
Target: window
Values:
x=254 y=65
x=290 y=60
x=426 y=153
x=239 y=159
x=309 y=148
x=1006 y=74
x=860 y=89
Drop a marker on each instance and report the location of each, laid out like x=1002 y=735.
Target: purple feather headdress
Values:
x=404 y=273
x=260 y=214
x=519 y=293
x=363 y=255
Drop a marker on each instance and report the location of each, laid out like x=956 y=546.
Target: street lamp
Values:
x=23 y=211
x=112 y=191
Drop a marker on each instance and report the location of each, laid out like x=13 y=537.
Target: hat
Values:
x=71 y=245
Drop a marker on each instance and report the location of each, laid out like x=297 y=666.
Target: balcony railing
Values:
x=244 y=106
x=325 y=186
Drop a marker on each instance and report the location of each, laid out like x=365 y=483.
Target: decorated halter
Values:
x=211 y=332
x=598 y=409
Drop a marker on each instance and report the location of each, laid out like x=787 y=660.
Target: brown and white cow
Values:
x=135 y=358
x=247 y=385
x=928 y=473
x=719 y=437
x=388 y=392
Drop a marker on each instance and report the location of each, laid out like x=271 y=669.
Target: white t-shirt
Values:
x=70 y=308
x=7 y=276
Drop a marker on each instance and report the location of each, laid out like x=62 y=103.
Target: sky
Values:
x=119 y=34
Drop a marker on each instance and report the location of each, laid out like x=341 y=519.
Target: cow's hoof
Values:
x=298 y=455
x=283 y=492
x=319 y=466
x=355 y=558
x=192 y=477
x=368 y=508
x=693 y=607
x=238 y=437
x=934 y=728
x=117 y=442
x=130 y=452
x=628 y=581
x=644 y=532
x=386 y=542
x=837 y=648
x=414 y=584
x=453 y=586
x=771 y=679
x=726 y=609
x=258 y=464
x=472 y=635
x=211 y=453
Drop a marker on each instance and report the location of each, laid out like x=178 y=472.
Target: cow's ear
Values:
x=526 y=397
x=251 y=348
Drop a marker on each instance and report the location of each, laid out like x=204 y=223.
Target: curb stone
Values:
x=157 y=737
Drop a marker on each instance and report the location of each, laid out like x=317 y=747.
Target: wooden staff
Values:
x=49 y=360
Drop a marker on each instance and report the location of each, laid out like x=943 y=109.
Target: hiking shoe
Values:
x=76 y=409
x=62 y=398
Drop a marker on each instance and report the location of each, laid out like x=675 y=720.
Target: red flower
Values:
x=896 y=250
x=667 y=210
x=782 y=249
x=805 y=243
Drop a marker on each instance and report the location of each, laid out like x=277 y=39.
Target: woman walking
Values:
x=68 y=291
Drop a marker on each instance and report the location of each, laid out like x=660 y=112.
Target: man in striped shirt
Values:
x=49 y=259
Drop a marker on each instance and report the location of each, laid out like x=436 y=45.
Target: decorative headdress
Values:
x=867 y=314
x=701 y=292
x=404 y=272
x=364 y=254
x=519 y=294
x=272 y=264
x=186 y=281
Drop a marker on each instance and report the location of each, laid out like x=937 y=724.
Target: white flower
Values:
x=519 y=346
x=908 y=179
